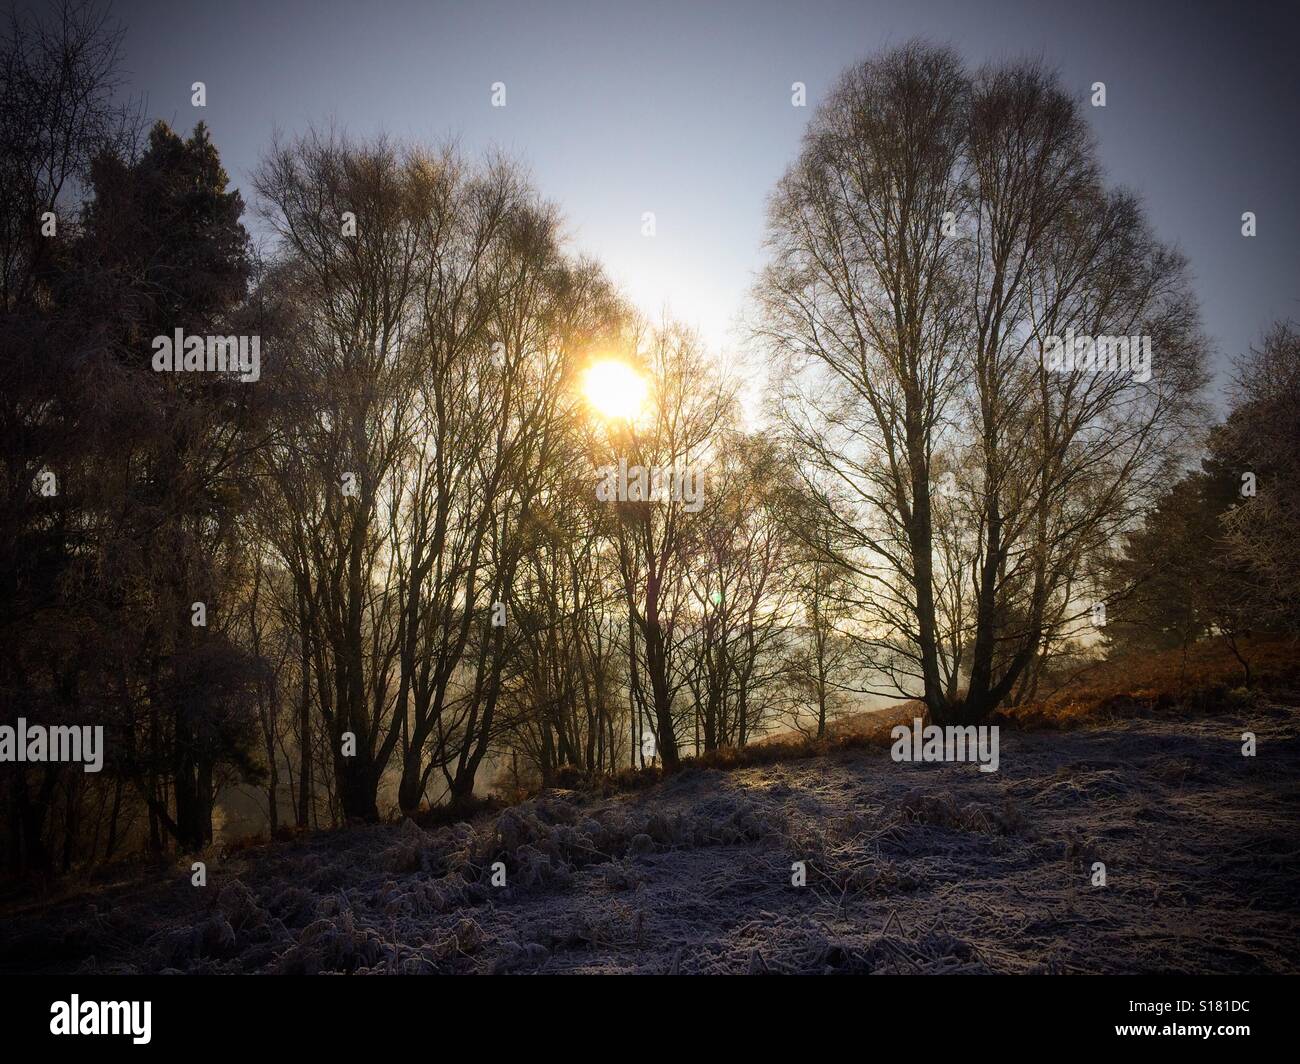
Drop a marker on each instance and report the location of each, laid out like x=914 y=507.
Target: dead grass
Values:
x=1207 y=678
x=861 y=731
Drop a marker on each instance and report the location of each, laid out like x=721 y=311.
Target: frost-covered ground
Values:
x=911 y=868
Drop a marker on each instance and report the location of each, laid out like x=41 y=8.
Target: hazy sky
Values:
x=684 y=110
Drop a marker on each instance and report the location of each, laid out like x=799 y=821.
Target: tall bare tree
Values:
x=937 y=232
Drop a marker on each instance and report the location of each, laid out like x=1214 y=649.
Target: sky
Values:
x=684 y=110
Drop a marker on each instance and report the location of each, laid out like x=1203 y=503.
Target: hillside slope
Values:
x=910 y=868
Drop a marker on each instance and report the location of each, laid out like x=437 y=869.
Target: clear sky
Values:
x=684 y=109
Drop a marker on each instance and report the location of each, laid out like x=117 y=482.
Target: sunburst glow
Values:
x=615 y=390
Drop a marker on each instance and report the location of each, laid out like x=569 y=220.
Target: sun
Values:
x=615 y=390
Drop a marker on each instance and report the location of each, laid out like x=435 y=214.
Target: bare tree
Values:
x=349 y=219
x=937 y=232
x=690 y=401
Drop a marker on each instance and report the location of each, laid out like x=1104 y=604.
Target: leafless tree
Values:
x=937 y=231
